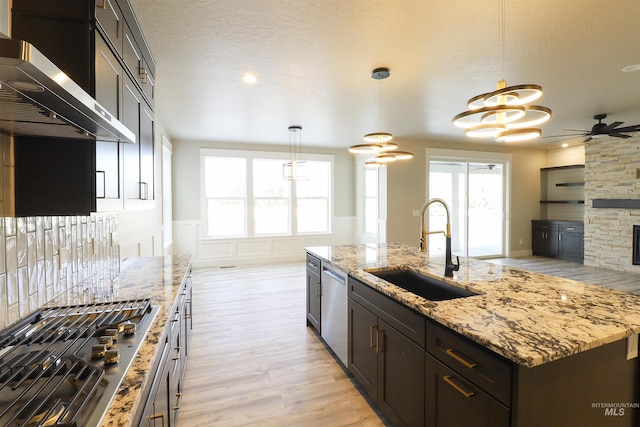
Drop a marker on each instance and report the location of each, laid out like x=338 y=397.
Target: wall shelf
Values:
x=555 y=168
x=616 y=203
x=563 y=202
x=570 y=184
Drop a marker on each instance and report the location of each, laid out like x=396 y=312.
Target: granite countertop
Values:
x=158 y=278
x=527 y=317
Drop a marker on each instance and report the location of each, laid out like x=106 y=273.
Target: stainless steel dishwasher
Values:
x=334 y=311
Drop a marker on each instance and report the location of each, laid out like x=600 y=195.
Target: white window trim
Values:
x=250 y=155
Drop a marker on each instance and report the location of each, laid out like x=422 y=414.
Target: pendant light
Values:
x=506 y=114
x=379 y=143
x=296 y=168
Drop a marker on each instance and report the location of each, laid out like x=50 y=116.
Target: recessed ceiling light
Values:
x=565 y=145
x=249 y=78
x=631 y=68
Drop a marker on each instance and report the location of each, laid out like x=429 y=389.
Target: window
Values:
x=371 y=201
x=246 y=196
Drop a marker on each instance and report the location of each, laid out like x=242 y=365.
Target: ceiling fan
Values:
x=601 y=129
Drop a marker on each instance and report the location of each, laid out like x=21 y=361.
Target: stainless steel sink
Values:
x=419 y=284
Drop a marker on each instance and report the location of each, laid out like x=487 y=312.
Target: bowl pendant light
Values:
x=506 y=114
x=296 y=168
x=379 y=143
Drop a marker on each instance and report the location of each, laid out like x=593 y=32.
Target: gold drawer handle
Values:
x=178 y=401
x=460 y=359
x=462 y=391
x=104 y=6
x=158 y=416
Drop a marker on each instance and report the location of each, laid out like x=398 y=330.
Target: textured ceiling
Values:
x=313 y=60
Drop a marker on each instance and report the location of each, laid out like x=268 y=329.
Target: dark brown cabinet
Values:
x=454 y=401
x=108 y=84
x=387 y=363
x=164 y=395
x=558 y=239
x=99 y=44
x=314 y=293
x=461 y=374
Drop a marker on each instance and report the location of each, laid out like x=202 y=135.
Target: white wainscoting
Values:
x=187 y=239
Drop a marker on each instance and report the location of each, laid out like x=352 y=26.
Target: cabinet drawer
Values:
x=486 y=369
x=451 y=400
x=572 y=228
x=408 y=322
x=313 y=264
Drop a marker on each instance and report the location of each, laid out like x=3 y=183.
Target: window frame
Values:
x=249 y=156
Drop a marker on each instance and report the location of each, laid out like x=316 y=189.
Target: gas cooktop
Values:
x=62 y=366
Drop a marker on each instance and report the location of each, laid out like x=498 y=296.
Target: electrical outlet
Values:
x=632 y=347
x=416 y=212
x=521 y=241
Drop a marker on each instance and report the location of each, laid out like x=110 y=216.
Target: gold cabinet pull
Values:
x=462 y=391
x=179 y=396
x=371 y=329
x=104 y=6
x=158 y=416
x=451 y=352
x=380 y=342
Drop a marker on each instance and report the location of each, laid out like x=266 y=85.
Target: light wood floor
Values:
x=254 y=362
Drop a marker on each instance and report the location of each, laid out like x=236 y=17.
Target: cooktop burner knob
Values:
x=106 y=340
x=113 y=333
x=98 y=351
x=111 y=356
x=129 y=328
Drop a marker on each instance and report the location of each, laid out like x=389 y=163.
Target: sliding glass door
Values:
x=475 y=190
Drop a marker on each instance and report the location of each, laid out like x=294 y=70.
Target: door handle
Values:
x=461 y=390
x=371 y=329
x=380 y=342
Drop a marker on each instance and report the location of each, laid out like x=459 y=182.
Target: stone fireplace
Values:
x=612 y=203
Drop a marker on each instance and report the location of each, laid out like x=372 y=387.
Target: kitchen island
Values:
x=162 y=279
x=553 y=339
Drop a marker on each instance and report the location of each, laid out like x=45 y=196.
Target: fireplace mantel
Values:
x=616 y=203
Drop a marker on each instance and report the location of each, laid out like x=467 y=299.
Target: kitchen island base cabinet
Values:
x=388 y=364
x=314 y=293
x=453 y=401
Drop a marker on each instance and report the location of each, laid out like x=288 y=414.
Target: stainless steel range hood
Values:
x=39 y=99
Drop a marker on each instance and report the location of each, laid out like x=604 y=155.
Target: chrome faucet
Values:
x=449 y=266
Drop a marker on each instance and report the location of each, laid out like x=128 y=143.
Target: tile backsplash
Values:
x=43 y=257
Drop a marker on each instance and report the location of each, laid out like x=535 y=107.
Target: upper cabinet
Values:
x=99 y=45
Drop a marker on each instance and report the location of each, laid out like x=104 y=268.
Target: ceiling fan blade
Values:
x=620 y=135
x=584 y=132
x=567 y=135
x=635 y=128
x=588 y=139
x=608 y=128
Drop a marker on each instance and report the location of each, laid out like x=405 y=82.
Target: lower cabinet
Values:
x=466 y=384
x=454 y=401
x=165 y=392
x=314 y=292
x=558 y=239
x=388 y=364
x=419 y=372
